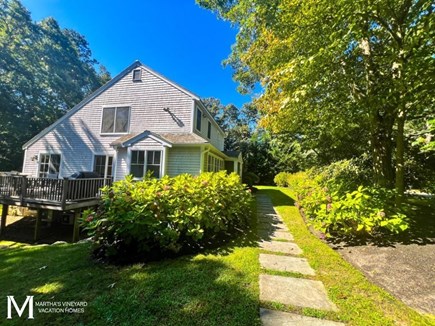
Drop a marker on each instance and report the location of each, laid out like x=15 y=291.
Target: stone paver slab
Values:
x=295 y=291
x=270 y=219
x=286 y=264
x=280 y=246
x=279 y=318
x=272 y=227
x=275 y=234
x=267 y=212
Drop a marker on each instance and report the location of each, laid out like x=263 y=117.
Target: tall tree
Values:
x=44 y=71
x=238 y=124
x=327 y=65
x=242 y=134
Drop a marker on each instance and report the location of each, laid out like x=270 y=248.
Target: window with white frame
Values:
x=198 y=119
x=154 y=159
x=214 y=163
x=49 y=165
x=103 y=165
x=115 y=120
x=145 y=161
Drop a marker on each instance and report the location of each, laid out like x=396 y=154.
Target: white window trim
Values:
x=49 y=153
x=162 y=161
x=106 y=164
x=192 y=116
x=216 y=157
x=116 y=107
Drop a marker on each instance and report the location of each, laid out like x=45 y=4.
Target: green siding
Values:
x=184 y=160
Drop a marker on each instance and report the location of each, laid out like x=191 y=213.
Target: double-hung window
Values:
x=154 y=159
x=198 y=119
x=103 y=165
x=145 y=161
x=49 y=165
x=115 y=120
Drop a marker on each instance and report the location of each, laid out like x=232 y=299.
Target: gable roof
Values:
x=166 y=139
x=130 y=139
x=106 y=86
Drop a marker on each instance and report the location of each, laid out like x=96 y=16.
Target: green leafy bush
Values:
x=343 y=176
x=152 y=217
x=301 y=182
x=359 y=212
x=281 y=179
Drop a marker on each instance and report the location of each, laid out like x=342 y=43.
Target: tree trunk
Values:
x=398 y=71
x=400 y=161
x=382 y=151
x=381 y=122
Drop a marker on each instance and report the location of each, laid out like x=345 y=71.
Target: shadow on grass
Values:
x=201 y=290
x=279 y=198
x=421 y=231
x=23 y=230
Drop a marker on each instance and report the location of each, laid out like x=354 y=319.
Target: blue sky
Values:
x=176 y=38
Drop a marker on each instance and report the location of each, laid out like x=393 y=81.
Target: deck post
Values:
x=5 y=210
x=23 y=189
x=64 y=192
x=76 y=231
x=38 y=225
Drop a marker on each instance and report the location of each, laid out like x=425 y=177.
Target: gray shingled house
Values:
x=139 y=121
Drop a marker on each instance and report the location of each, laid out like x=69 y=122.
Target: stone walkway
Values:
x=283 y=255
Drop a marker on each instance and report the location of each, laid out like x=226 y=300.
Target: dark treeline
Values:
x=44 y=71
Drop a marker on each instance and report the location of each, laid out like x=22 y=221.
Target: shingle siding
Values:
x=78 y=137
x=216 y=139
x=184 y=160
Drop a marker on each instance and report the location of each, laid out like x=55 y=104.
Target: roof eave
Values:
x=143 y=135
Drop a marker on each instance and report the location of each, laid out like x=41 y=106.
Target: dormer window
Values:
x=115 y=120
x=198 y=119
x=137 y=75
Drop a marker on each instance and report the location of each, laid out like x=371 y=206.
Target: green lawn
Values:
x=360 y=302
x=216 y=288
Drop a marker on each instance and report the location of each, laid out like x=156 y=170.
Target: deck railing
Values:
x=10 y=186
x=59 y=191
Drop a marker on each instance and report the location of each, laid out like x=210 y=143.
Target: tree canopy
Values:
x=337 y=74
x=44 y=71
x=242 y=134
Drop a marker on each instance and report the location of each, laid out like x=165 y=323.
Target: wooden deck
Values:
x=49 y=194
x=54 y=194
